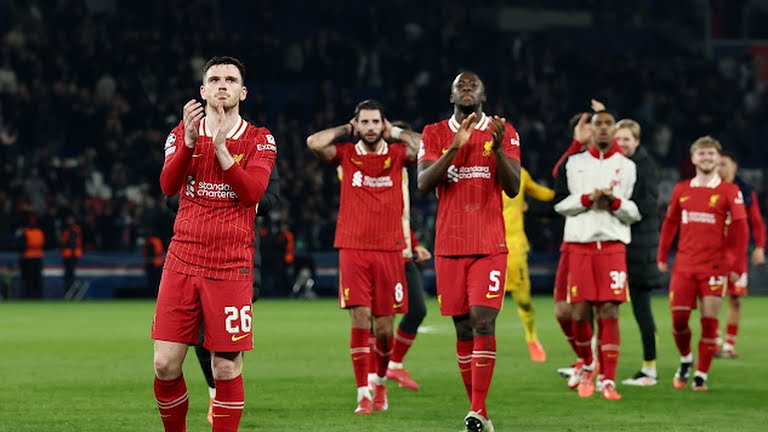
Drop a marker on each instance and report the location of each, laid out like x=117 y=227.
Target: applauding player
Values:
x=470 y=158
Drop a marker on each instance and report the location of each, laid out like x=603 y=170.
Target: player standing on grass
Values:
x=736 y=290
x=699 y=207
x=369 y=235
x=220 y=165
x=470 y=158
x=594 y=194
x=518 y=280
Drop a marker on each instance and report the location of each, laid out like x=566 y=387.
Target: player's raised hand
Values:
x=193 y=113
x=353 y=127
x=582 y=132
x=758 y=256
x=226 y=123
x=498 y=130
x=465 y=131
x=387 y=133
x=596 y=105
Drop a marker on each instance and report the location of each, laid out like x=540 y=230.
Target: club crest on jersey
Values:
x=169 y=145
x=487 y=148
x=387 y=162
x=713 y=200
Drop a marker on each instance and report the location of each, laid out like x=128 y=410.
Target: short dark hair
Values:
x=369 y=104
x=225 y=60
x=605 y=111
x=730 y=155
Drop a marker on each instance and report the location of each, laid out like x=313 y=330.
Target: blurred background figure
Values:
x=71 y=251
x=31 y=241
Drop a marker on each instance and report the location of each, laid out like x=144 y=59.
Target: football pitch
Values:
x=88 y=367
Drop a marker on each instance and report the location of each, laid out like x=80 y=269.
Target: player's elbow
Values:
x=167 y=187
x=312 y=143
x=422 y=183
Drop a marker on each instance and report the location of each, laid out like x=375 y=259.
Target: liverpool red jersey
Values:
x=371 y=207
x=469 y=214
x=701 y=212
x=214 y=232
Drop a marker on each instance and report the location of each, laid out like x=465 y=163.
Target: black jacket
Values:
x=641 y=252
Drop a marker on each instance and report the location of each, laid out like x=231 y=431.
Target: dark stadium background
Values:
x=90 y=89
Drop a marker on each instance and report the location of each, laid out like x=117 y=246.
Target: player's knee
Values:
x=166 y=368
x=525 y=306
x=483 y=327
x=224 y=367
x=736 y=302
x=563 y=311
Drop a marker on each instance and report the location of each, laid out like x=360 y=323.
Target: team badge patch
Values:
x=169 y=145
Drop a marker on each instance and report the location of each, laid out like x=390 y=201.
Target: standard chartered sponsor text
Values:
x=476 y=171
x=215 y=190
x=377 y=182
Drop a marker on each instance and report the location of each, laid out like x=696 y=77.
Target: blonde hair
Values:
x=706 y=142
x=633 y=126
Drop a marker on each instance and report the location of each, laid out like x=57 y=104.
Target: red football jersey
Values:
x=701 y=212
x=371 y=206
x=469 y=214
x=214 y=230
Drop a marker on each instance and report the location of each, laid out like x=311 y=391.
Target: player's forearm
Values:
x=736 y=243
x=431 y=173
x=224 y=157
x=250 y=184
x=321 y=142
x=508 y=170
x=174 y=170
x=412 y=141
x=668 y=231
x=272 y=195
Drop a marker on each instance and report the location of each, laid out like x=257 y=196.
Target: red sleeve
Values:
x=736 y=203
x=756 y=222
x=177 y=157
x=669 y=227
x=341 y=149
x=736 y=244
x=575 y=147
x=429 y=149
x=249 y=183
x=414 y=240
x=511 y=142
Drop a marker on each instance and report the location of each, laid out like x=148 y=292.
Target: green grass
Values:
x=88 y=367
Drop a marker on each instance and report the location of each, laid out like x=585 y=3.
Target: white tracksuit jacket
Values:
x=584 y=172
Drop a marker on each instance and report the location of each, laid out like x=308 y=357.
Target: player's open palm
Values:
x=465 y=131
x=498 y=130
x=582 y=132
x=226 y=123
x=193 y=113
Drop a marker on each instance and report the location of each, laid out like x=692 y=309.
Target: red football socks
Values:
x=708 y=343
x=383 y=351
x=173 y=402
x=483 y=362
x=403 y=342
x=611 y=339
x=567 y=326
x=582 y=334
x=228 y=404
x=360 y=351
x=464 y=358
x=681 y=331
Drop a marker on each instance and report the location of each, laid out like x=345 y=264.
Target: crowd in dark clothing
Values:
x=87 y=97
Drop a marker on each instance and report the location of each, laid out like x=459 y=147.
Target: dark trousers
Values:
x=32 y=277
x=70 y=264
x=153 y=277
x=417 y=309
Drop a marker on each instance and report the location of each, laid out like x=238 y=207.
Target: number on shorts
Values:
x=619 y=279
x=243 y=315
x=716 y=280
x=495 y=277
x=399 y=292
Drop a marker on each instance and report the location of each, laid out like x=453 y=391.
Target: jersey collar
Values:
x=361 y=150
x=482 y=124
x=715 y=182
x=234 y=133
x=612 y=150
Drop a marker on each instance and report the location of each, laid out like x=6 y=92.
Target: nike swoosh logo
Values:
x=165 y=415
x=465 y=370
x=197 y=155
x=237 y=338
x=358 y=358
x=491 y=296
x=684 y=199
x=397 y=305
x=482 y=364
x=221 y=415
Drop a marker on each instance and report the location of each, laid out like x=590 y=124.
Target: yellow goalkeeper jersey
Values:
x=517 y=241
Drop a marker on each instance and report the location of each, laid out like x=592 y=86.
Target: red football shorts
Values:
x=374 y=279
x=224 y=306
x=738 y=288
x=597 y=272
x=466 y=281
x=685 y=287
x=561 y=278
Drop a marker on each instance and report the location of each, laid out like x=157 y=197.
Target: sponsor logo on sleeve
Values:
x=170 y=148
x=422 y=152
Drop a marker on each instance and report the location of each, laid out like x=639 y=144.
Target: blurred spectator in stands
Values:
x=71 y=250
x=31 y=241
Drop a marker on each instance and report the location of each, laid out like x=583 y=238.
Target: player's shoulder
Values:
x=437 y=127
x=179 y=129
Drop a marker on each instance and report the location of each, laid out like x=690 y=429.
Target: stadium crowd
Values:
x=87 y=98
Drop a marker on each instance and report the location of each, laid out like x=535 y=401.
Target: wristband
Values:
x=396 y=131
